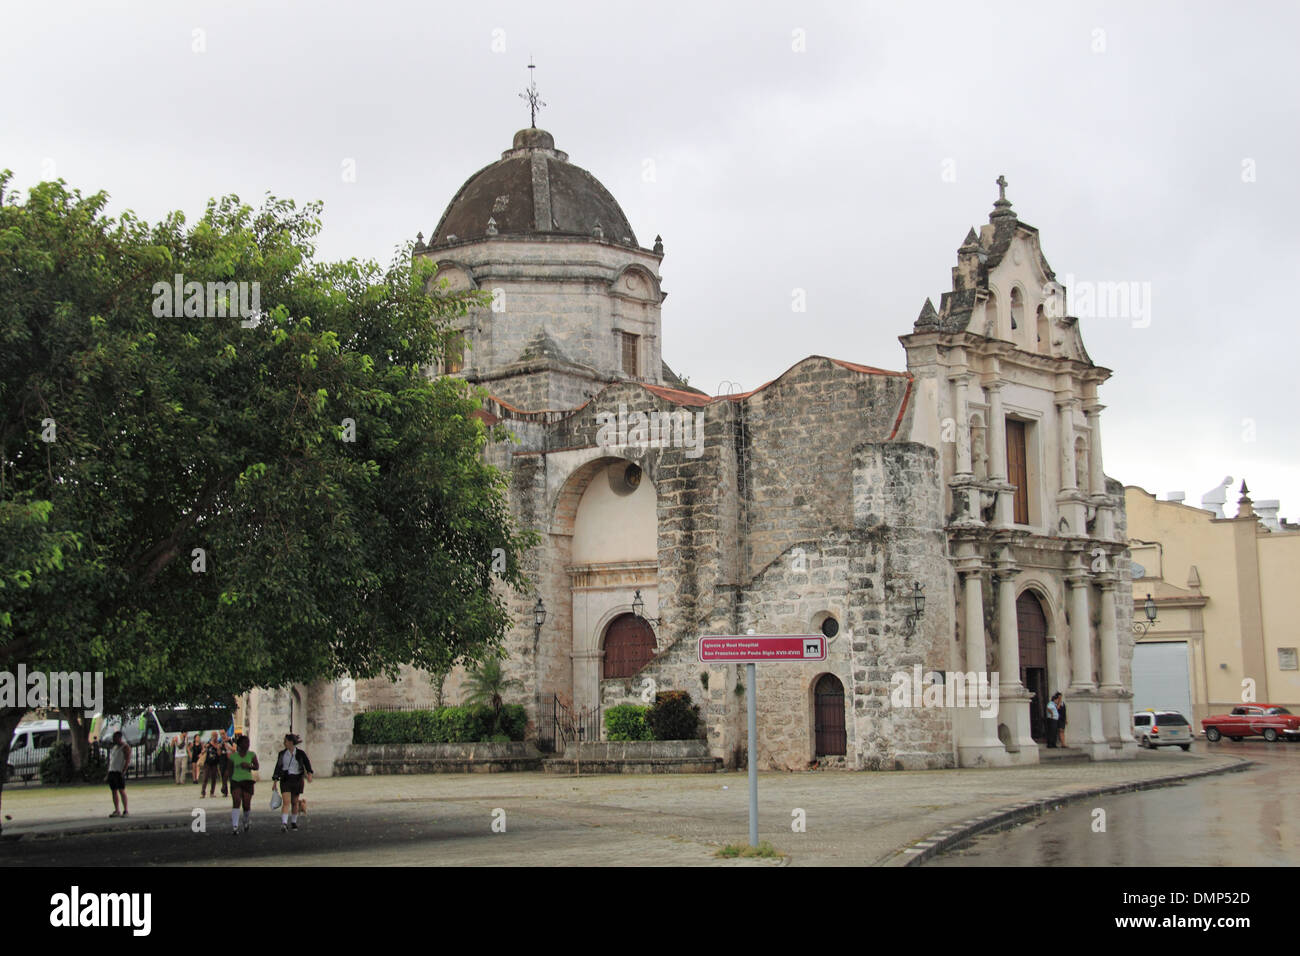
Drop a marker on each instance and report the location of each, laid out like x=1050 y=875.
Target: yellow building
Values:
x=1226 y=593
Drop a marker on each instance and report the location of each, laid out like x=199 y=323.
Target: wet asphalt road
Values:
x=1237 y=819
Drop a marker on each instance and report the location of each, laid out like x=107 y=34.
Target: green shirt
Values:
x=240 y=766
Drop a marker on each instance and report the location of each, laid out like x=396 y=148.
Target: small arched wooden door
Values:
x=828 y=717
x=1031 y=622
x=629 y=646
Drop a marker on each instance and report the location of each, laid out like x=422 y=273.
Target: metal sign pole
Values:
x=752 y=682
x=747 y=650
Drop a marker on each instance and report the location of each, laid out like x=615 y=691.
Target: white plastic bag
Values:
x=276 y=800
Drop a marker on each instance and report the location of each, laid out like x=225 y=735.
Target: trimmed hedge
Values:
x=56 y=766
x=627 y=722
x=446 y=725
x=673 y=716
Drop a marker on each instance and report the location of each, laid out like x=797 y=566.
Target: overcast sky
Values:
x=843 y=149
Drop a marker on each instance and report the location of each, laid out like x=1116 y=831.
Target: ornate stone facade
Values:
x=826 y=500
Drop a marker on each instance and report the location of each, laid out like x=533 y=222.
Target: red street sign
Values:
x=759 y=648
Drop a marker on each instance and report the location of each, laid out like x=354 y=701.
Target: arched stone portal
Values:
x=606 y=534
x=1031 y=623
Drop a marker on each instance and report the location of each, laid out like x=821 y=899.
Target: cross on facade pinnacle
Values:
x=1002 y=187
x=535 y=102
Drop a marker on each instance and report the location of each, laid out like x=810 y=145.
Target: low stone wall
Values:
x=369 y=759
x=635 y=756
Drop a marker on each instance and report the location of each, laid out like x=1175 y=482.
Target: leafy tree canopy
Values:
x=197 y=501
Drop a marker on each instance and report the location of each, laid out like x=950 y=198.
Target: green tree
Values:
x=213 y=501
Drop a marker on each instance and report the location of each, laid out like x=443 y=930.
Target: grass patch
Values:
x=765 y=850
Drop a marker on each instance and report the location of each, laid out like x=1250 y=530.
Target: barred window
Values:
x=630 y=365
x=453 y=358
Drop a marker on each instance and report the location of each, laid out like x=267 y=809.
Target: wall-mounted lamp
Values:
x=1141 y=627
x=539 y=617
x=638 y=608
x=918 y=607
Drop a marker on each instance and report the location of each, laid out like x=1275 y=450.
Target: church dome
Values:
x=531 y=190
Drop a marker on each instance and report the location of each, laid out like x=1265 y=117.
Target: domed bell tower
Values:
x=575 y=299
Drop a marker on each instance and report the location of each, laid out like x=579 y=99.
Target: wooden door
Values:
x=629 y=646
x=1031 y=623
x=1018 y=470
x=831 y=735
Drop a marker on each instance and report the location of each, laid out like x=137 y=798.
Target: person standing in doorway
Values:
x=1060 y=719
x=291 y=766
x=119 y=759
x=1051 y=721
x=242 y=764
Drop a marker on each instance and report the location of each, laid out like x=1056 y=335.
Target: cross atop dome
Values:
x=1002 y=207
x=535 y=101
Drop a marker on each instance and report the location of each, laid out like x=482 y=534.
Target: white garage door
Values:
x=1160 y=677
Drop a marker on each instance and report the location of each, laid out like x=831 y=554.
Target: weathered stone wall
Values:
x=897 y=505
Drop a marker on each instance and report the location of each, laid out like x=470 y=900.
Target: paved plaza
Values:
x=607 y=820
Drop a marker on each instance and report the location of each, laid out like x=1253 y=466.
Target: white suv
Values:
x=1162 y=728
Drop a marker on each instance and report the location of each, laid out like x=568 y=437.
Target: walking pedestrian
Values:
x=119 y=759
x=1051 y=721
x=196 y=755
x=1060 y=718
x=242 y=764
x=227 y=748
x=180 y=757
x=211 y=765
x=291 y=765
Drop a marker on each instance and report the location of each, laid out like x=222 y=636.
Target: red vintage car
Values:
x=1253 y=720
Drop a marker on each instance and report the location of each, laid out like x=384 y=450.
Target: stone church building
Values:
x=825 y=501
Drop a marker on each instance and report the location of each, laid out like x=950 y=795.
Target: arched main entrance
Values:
x=828 y=717
x=629 y=646
x=1031 y=622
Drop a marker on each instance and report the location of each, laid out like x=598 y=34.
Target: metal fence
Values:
x=557 y=723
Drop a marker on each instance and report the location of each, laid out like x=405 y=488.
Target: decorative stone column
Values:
x=965 y=496
x=1003 y=516
x=1084 y=729
x=1070 y=502
x=1116 y=702
x=978 y=744
x=961 y=383
x=1065 y=406
x=1015 y=698
x=1105 y=524
x=1108 y=635
x=1080 y=632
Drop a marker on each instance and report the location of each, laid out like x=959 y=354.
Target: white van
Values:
x=30 y=745
x=156 y=727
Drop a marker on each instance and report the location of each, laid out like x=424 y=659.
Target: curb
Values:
x=90 y=831
x=1002 y=818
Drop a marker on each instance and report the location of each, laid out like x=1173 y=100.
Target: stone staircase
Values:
x=634 y=756
x=1059 y=755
